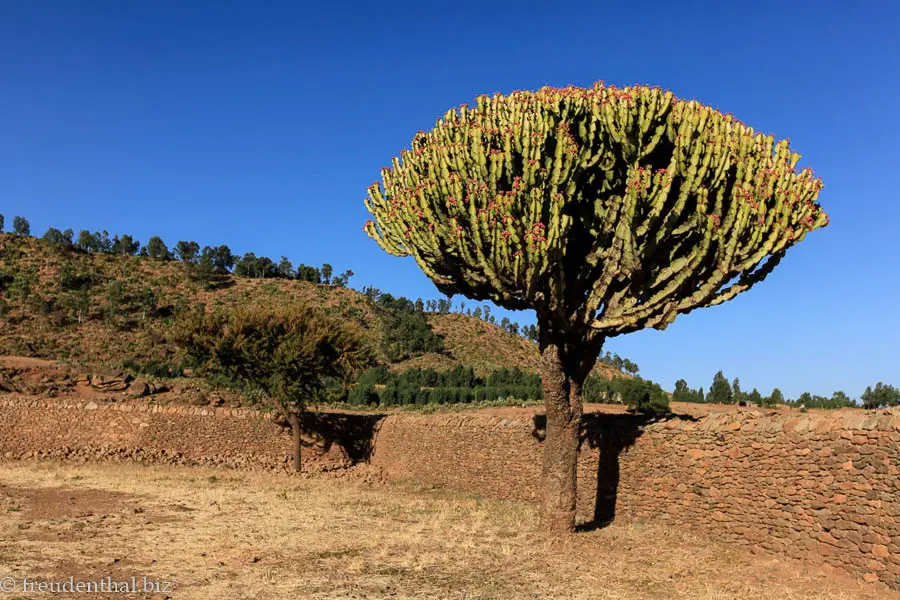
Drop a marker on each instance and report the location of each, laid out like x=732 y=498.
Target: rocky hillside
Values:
x=109 y=310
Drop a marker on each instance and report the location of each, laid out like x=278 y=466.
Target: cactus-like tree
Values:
x=605 y=210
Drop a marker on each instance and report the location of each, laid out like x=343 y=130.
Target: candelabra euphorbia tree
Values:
x=605 y=210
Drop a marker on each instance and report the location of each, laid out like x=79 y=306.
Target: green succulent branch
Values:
x=611 y=209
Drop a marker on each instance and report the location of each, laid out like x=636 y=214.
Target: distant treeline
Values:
x=212 y=265
x=724 y=392
x=381 y=387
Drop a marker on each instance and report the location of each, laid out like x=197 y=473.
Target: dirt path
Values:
x=223 y=534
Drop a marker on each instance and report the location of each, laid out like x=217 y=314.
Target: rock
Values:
x=139 y=388
x=91 y=406
x=109 y=381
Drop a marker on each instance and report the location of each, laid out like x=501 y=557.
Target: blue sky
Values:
x=260 y=124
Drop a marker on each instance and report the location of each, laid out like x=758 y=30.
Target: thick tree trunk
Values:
x=562 y=381
x=295 y=429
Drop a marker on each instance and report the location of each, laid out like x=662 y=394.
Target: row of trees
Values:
x=202 y=263
x=378 y=386
x=721 y=391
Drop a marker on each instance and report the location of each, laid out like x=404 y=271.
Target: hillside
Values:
x=114 y=310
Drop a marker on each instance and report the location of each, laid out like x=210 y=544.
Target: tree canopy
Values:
x=616 y=208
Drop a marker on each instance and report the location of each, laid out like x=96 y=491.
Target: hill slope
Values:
x=102 y=309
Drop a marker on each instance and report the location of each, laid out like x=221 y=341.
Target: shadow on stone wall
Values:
x=354 y=433
x=609 y=435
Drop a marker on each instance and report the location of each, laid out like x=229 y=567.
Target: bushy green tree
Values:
x=720 y=391
x=755 y=398
x=308 y=273
x=125 y=245
x=156 y=248
x=285 y=352
x=775 y=398
x=343 y=279
x=326 y=273
x=881 y=396
x=21 y=226
x=285 y=268
x=2 y=223
x=260 y=267
x=58 y=238
x=187 y=251
x=682 y=392
x=221 y=258
x=841 y=400
x=89 y=242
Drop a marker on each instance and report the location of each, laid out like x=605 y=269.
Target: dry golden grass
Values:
x=228 y=534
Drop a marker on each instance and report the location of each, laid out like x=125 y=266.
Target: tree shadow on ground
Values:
x=610 y=435
x=355 y=433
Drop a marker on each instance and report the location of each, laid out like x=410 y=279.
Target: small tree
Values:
x=754 y=397
x=126 y=245
x=776 y=398
x=21 y=226
x=343 y=279
x=308 y=273
x=2 y=222
x=327 y=270
x=630 y=367
x=839 y=399
x=682 y=392
x=187 y=251
x=737 y=394
x=156 y=248
x=222 y=258
x=720 y=391
x=285 y=268
x=87 y=241
x=57 y=237
x=286 y=352
x=881 y=396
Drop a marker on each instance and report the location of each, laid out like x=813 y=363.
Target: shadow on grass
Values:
x=609 y=435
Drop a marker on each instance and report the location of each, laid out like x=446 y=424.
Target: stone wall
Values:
x=213 y=436
x=820 y=486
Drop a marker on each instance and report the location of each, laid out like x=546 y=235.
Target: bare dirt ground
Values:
x=229 y=534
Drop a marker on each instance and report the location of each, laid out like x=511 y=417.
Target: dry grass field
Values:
x=229 y=534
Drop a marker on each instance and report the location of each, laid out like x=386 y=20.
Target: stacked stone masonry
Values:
x=817 y=486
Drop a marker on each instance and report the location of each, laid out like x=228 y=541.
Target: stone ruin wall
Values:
x=820 y=486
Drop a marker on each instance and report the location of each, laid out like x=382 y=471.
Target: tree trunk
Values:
x=564 y=368
x=295 y=428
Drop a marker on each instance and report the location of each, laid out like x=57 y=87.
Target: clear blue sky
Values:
x=260 y=124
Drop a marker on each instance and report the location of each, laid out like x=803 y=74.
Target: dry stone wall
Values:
x=212 y=436
x=819 y=486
